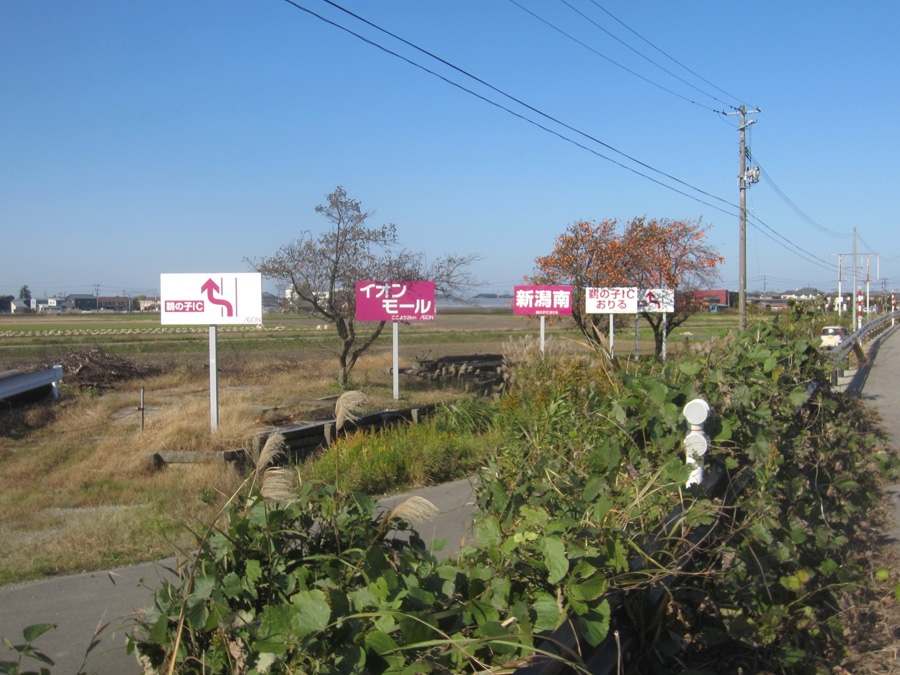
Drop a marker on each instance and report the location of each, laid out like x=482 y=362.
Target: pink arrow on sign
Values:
x=211 y=286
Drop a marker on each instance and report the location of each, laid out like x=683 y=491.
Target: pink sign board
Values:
x=395 y=301
x=612 y=300
x=542 y=300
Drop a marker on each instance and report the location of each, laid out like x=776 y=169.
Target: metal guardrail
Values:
x=22 y=384
x=867 y=333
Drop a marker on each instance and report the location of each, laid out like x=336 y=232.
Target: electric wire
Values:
x=295 y=3
x=646 y=58
x=796 y=209
x=616 y=63
x=671 y=58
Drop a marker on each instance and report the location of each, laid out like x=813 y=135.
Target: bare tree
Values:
x=322 y=272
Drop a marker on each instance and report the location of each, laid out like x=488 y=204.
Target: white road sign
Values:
x=612 y=300
x=210 y=299
x=656 y=300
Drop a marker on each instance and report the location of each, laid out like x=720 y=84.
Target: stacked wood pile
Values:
x=96 y=369
x=481 y=373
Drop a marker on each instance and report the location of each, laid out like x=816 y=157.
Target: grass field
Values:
x=77 y=491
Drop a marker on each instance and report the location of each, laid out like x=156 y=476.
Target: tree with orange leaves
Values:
x=649 y=253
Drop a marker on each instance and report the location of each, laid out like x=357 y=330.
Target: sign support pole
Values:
x=396 y=360
x=637 y=345
x=665 y=323
x=543 y=322
x=213 y=378
x=612 y=336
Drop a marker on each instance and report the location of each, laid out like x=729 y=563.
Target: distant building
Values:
x=715 y=299
x=81 y=302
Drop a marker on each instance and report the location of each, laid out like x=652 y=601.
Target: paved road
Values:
x=81 y=603
x=878 y=386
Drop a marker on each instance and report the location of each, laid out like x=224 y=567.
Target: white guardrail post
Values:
x=696 y=441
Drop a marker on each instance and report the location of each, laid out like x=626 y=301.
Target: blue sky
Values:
x=180 y=137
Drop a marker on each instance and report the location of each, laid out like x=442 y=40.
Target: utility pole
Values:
x=745 y=177
x=855 y=310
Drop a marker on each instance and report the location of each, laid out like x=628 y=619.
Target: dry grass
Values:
x=77 y=490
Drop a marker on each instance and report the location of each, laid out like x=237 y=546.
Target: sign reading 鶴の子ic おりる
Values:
x=210 y=299
x=395 y=301
x=542 y=300
x=612 y=300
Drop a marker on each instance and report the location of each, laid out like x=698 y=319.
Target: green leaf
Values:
x=724 y=433
x=547 y=614
x=488 y=533
x=380 y=642
x=33 y=632
x=159 y=630
x=555 y=558
x=252 y=571
x=314 y=612
x=196 y=612
x=798 y=396
x=690 y=368
x=589 y=589
x=595 y=624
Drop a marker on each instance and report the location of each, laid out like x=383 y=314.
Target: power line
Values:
x=295 y=3
x=616 y=63
x=796 y=209
x=644 y=56
x=671 y=58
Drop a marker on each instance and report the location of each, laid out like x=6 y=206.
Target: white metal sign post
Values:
x=211 y=299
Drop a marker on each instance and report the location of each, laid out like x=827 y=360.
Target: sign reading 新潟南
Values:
x=542 y=300
x=612 y=300
x=656 y=300
x=395 y=301
x=210 y=299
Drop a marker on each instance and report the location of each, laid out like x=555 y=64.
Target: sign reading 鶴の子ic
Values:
x=210 y=299
x=657 y=300
x=612 y=300
x=395 y=301
x=542 y=300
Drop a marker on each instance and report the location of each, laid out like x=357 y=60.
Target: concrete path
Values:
x=879 y=386
x=82 y=603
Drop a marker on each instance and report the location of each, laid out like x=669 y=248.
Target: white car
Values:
x=832 y=336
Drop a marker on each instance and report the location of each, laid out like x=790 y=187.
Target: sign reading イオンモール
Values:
x=395 y=301
x=210 y=299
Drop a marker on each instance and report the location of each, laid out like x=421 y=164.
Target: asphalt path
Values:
x=877 y=385
x=82 y=604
